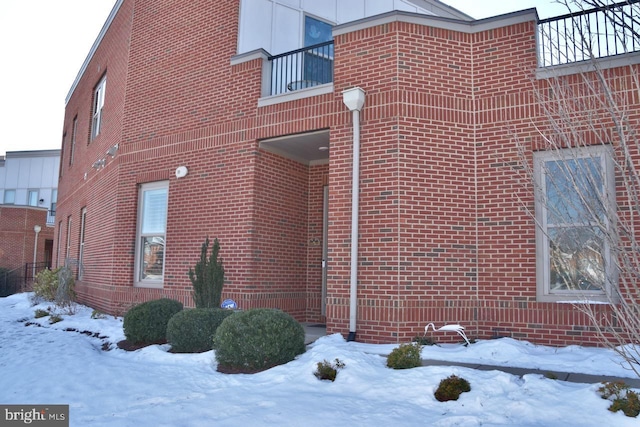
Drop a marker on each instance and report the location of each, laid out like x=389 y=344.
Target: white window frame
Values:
x=543 y=262
x=9 y=197
x=98 y=105
x=83 y=224
x=31 y=201
x=139 y=280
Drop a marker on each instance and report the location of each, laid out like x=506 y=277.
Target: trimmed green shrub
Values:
x=146 y=323
x=404 y=357
x=328 y=371
x=207 y=277
x=257 y=339
x=451 y=388
x=192 y=330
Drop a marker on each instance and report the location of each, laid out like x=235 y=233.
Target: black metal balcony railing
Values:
x=302 y=68
x=589 y=34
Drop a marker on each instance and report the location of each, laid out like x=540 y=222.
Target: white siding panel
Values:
x=295 y=4
x=376 y=7
x=33 y=170
x=256 y=17
x=326 y=9
x=350 y=10
x=13 y=172
x=287 y=30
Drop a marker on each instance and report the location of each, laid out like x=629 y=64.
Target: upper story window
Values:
x=574 y=203
x=9 y=197
x=150 y=242
x=316 y=31
x=74 y=132
x=32 y=198
x=98 y=105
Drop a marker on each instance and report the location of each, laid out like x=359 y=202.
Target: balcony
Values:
x=301 y=69
x=590 y=34
x=51 y=217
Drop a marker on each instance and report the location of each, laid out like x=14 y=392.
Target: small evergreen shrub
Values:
x=622 y=398
x=56 y=286
x=257 y=339
x=328 y=371
x=404 y=357
x=41 y=313
x=423 y=340
x=97 y=314
x=451 y=388
x=146 y=323
x=207 y=277
x=192 y=330
x=54 y=319
x=45 y=285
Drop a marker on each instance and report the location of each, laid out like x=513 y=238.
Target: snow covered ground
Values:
x=152 y=387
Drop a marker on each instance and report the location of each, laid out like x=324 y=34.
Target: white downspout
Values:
x=354 y=100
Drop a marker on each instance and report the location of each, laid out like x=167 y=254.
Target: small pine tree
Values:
x=207 y=277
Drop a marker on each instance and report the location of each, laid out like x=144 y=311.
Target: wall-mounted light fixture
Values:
x=181 y=172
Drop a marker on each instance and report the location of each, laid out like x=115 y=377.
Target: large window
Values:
x=574 y=205
x=98 y=105
x=9 y=197
x=318 y=63
x=150 y=241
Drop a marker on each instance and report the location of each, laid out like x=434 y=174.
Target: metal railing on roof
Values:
x=589 y=34
x=302 y=68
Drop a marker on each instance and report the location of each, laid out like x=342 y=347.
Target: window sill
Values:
x=576 y=299
x=149 y=285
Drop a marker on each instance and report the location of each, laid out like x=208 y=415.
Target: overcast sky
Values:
x=43 y=44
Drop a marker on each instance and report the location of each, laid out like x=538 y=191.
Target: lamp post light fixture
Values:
x=36 y=229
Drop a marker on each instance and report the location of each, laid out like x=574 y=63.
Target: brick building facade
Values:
x=190 y=144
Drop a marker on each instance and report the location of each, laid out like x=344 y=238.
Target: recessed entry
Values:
x=310 y=148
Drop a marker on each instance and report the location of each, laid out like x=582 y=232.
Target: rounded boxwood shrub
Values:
x=257 y=339
x=404 y=357
x=146 y=323
x=192 y=330
x=451 y=388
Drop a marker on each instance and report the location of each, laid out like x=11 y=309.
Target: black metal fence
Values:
x=589 y=34
x=302 y=68
x=31 y=270
x=11 y=281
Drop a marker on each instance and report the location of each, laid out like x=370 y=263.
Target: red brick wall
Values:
x=443 y=234
x=17 y=236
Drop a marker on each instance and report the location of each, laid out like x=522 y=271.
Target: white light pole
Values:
x=37 y=229
x=354 y=100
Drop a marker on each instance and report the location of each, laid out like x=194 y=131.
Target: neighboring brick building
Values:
x=28 y=191
x=178 y=128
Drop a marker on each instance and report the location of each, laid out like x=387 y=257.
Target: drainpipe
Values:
x=354 y=100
